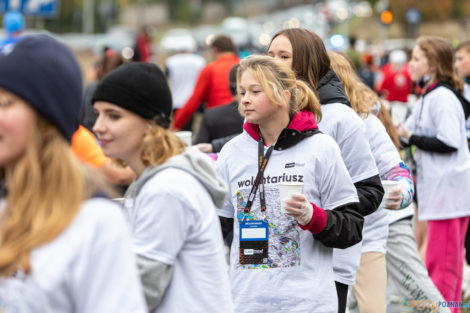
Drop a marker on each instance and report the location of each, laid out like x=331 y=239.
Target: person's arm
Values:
x=104 y=275
x=218 y=143
x=155 y=277
x=431 y=144
x=337 y=228
x=200 y=92
x=402 y=196
x=370 y=193
x=116 y=174
x=203 y=135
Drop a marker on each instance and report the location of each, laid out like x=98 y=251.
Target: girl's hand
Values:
x=298 y=207
x=403 y=131
x=393 y=199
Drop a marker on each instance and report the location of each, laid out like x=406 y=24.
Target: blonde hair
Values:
x=275 y=77
x=160 y=145
x=45 y=191
x=361 y=97
x=439 y=54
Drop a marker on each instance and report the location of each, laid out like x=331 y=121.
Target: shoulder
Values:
x=341 y=114
x=441 y=93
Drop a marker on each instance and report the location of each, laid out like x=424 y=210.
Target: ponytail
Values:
x=160 y=145
x=306 y=100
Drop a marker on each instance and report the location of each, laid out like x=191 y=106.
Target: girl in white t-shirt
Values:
x=172 y=204
x=277 y=265
x=437 y=128
x=374 y=271
x=64 y=248
x=305 y=52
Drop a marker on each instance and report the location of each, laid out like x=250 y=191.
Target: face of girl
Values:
x=281 y=48
x=462 y=62
x=120 y=131
x=16 y=127
x=254 y=102
x=419 y=66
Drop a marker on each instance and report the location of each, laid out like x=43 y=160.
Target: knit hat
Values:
x=45 y=74
x=140 y=88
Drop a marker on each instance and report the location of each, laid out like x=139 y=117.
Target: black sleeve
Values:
x=203 y=132
x=430 y=144
x=370 y=193
x=227 y=225
x=218 y=143
x=343 y=227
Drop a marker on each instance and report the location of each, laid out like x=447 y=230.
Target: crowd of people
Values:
x=298 y=115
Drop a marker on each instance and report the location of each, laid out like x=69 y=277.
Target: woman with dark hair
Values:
x=305 y=52
x=437 y=128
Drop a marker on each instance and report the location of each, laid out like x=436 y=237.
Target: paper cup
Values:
x=388 y=186
x=286 y=190
x=186 y=136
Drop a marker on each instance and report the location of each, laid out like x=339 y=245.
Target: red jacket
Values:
x=212 y=86
x=396 y=84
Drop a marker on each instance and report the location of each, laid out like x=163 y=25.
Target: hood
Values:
x=193 y=162
x=330 y=90
x=301 y=126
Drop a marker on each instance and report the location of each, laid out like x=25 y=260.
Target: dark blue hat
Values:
x=44 y=73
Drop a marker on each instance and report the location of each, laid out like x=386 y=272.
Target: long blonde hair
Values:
x=275 y=77
x=361 y=97
x=45 y=191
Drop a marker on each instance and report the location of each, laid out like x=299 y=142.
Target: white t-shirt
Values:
x=174 y=222
x=88 y=268
x=299 y=274
x=375 y=231
x=342 y=123
x=442 y=178
x=183 y=70
x=466 y=94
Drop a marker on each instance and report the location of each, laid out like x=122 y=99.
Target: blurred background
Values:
x=90 y=26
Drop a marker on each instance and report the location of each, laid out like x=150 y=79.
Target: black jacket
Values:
x=219 y=122
x=369 y=190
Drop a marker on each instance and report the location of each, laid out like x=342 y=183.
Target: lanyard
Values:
x=262 y=162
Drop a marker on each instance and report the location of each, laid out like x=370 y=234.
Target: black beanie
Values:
x=45 y=74
x=140 y=88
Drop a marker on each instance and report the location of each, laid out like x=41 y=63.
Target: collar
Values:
x=301 y=126
x=330 y=90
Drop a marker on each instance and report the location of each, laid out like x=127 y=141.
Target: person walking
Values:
x=212 y=82
x=305 y=52
x=276 y=263
x=172 y=204
x=437 y=128
x=65 y=247
x=182 y=70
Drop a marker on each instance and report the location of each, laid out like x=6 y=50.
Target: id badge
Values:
x=254 y=242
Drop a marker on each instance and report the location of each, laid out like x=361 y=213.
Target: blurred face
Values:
x=281 y=48
x=254 y=102
x=17 y=120
x=419 y=65
x=462 y=63
x=120 y=131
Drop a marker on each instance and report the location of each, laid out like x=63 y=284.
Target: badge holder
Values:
x=254 y=242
